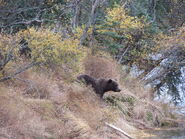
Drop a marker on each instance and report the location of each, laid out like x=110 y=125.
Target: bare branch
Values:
x=90 y=22
x=76 y=11
x=18 y=10
x=120 y=60
x=8 y=57
x=20 y=70
x=152 y=9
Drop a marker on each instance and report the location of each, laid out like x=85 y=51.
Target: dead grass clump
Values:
x=139 y=111
x=136 y=87
x=143 y=112
x=8 y=109
x=88 y=106
x=101 y=67
x=38 y=86
x=84 y=112
x=45 y=108
x=32 y=128
x=77 y=126
x=36 y=90
x=15 y=117
x=32 y=85
x=28 y=118
x=149 y=115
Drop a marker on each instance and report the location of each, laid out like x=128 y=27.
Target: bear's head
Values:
x=112 y=85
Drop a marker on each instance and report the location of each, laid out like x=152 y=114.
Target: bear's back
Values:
x=100 y=85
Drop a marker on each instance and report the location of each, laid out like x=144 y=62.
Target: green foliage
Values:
x=122 y=31
x=118 y=26
x=21 y=14
x=112 y=3
x=171 y=82
x=172 y=79
x=149 y=116
x=163 y=13
x=139 y=8
x=128 y=99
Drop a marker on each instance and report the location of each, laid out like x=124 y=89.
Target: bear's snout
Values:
x=118 y=90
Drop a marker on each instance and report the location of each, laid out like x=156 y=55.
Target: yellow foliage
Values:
x=7 y=43
x=176 y=39
x=121 y=23
x=122 y=30
x=79 y=31
x=48 y=47
x=125 y=21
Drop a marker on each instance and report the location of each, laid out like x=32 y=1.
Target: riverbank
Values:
x=168 y=133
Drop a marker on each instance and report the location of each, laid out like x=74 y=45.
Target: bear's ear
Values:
x=109 y=81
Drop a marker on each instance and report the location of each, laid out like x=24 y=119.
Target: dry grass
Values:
x=47 y=107
x=19 y=120
x=71 y=112
x=136 y=87
x=136 y=102
x=101 y=67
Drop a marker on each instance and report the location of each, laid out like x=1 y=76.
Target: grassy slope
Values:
x=42 y=107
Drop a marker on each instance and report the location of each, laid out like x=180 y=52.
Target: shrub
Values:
x=119 y=26
x=129 y=38
x=52 y=50
x=48 y=49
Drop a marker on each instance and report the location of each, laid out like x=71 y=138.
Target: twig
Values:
x=118 y=129
x=8 y=57
x=20 y=70
x=119 y=61
x=90 y=22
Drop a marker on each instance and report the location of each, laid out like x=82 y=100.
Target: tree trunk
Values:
x=91 y=20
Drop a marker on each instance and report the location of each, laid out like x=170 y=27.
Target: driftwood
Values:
x=118 y=129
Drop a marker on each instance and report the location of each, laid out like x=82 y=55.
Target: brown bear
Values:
x=100 y=86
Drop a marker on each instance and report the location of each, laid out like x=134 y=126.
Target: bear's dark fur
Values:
x=100 y=86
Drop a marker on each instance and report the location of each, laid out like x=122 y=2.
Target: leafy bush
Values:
x=129 y=38
x=123 y=33
x=50 y=49
x=119 y=27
